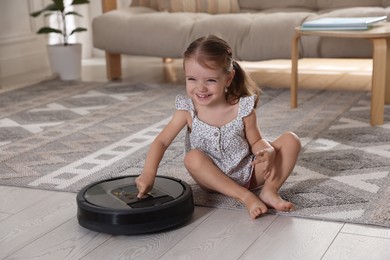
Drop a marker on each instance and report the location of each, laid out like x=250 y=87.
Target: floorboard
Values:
x=148 y=246
x=294 y=238
x=367 y=230
x=15 y=199
x=34 y=221
x=67 y=241
x=351 y=246
x=225 y=234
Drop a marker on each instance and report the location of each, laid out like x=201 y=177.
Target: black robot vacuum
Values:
x=111 y=206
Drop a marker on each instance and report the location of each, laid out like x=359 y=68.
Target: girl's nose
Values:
x=202 y=86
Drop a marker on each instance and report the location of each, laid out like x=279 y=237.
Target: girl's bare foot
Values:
x=272 y=199
x=254 y=205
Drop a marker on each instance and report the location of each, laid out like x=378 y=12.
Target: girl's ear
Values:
x=230 y=77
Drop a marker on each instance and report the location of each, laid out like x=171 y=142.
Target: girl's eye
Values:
x=211 y=80
x=190 y=79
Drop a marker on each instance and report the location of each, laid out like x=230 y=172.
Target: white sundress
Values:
x=227 y=146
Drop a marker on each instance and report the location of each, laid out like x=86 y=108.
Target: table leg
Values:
x=294 y=70
x=387 y=72
x=113 y=66
x=380 y=57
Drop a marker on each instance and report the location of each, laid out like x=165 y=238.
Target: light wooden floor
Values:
x=38 y=224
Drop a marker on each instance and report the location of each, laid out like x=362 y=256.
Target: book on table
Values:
x=342 y=23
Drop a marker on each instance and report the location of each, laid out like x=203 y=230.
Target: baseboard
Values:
x=23 y=64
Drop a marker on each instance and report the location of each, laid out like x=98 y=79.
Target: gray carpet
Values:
x=63 y=136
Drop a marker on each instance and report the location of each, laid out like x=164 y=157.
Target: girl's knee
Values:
x=290 y=140
x=293 y=139
x=193 y=159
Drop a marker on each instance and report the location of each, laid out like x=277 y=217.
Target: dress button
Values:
x=216 y=134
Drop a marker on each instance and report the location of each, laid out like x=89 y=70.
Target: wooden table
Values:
x=379 y=34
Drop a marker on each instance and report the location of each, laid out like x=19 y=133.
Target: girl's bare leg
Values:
x=287 y=148
x=210 y=177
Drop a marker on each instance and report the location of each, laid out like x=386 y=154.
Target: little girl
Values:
x=225 y=151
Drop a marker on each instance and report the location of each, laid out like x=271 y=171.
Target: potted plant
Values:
x=64 y=58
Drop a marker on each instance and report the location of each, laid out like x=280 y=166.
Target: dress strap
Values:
x=247 y=104
x=184 y=103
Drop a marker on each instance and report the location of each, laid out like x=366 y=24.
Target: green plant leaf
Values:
x=59 y=4
x=50 y=7
x=45 y=30
x=80 y=2
x=78 y=29
x=56 y=7
x=73 y=13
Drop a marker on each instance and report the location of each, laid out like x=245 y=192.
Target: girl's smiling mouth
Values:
x=203 y=95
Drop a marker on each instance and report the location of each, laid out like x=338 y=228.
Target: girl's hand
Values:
x=144 y=184
x=265 y=157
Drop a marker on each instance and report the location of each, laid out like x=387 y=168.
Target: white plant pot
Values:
x=65 y=60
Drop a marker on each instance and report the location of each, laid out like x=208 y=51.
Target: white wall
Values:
x=22 y=50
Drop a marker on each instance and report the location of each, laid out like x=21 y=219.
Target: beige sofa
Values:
x=256 y=29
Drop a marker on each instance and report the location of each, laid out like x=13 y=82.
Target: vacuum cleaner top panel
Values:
x=122 y=193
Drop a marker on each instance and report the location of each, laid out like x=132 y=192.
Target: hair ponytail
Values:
x=242 y=85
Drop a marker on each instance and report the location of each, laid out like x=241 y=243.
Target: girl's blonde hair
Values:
x=213 y=52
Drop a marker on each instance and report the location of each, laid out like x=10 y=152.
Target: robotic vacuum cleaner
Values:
x=111 y=206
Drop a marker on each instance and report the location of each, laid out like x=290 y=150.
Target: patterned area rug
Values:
x=63 y=136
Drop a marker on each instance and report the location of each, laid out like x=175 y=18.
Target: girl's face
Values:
x=206 y=86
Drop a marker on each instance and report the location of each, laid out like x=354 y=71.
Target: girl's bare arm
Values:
x=157 y=149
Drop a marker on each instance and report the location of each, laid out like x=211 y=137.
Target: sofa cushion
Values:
x=269 y=36
x=205 y=6
x=333 y=4
x=151 y=34
x=311 y=4
x=266 y=4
